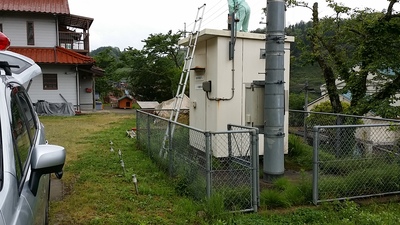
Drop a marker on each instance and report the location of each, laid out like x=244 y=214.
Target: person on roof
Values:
x=242 y=14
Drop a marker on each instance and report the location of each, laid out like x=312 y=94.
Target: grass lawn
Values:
x=98 y=190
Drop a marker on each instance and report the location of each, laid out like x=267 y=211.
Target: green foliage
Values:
x=285 y=193
x=324 y=119
x=191 y=185
x=356 y=49
x=155 y=70
x=365 y=180
x=297 y=147
x=273 y=199
x=301 y=153
x=114 y=52
x=107 y=59
x=327 y=107
x=152 y=73
x=214 y=207
x=346 y=212
x=296 y=101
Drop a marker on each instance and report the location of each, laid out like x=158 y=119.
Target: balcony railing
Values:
x=73 y=40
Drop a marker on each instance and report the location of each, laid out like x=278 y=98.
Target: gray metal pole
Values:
x=315 y=165
x=306 y=90
x=305 y=109
x=208 y=163
x=169 y=150
x=148 y=136
x=274 y=101
x=254 y=162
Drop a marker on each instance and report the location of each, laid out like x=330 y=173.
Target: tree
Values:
x=319 y=51
x=156 y=68
x=106 y=58
x=375 y=38
x=353 y=50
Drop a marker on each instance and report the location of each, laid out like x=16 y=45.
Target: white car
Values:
x=26 y=159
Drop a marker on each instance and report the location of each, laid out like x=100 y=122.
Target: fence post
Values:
x=254 y=162
x=148 y=136
x=137 y=126
x=169 y=150
x=305 y=115
x=230 y=153
x=229 y=143
x=208 y=162
x=315 y=165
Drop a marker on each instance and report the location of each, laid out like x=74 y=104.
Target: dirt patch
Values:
x=56 y=190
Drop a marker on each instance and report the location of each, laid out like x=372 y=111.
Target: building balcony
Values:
x=76 y=41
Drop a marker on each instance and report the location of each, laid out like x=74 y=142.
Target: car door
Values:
x=27 y=134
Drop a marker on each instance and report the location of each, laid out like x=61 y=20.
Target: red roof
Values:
x=41 y=6
x=53 y=55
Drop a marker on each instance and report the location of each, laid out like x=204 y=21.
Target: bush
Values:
x=285 y=194
x=300 y=152
x=273 y=199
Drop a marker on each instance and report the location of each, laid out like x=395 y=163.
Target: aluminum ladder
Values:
x=180 y=93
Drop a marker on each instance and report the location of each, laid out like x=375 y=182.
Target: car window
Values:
x=24 y=127
x=12 y=60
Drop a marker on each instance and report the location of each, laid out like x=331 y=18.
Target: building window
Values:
x=50 y=82
x=30 y=33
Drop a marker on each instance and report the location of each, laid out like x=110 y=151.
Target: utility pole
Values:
x=306 y=90
x=274 y=101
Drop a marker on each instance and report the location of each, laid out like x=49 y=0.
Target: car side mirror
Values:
x=45 y=159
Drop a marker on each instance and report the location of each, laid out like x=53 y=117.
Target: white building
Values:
x=230 y=81
x=58 y=42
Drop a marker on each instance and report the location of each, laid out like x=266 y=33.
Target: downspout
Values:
x=233 y=87
x=57 y=32
x=93 y=92
x=232 y=43
x=78 y=97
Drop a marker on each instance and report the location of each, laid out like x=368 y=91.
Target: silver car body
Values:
x=24 y=192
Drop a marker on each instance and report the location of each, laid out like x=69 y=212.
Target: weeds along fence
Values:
x=222 y=166
x=353 y=156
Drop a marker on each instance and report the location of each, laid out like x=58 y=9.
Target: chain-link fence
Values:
x=354 y=161
x=353 y=156
x=205 y=164
x=301 y=123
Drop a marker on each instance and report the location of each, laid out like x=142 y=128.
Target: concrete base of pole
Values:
x=270 y=178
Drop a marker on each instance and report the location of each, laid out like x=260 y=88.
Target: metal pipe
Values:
x=254 y=159
x=208 y=162
x=78 y=95
x=315 y=166
x=231 y=53
x=149 y=135
x=274 y=101
x=169 y=150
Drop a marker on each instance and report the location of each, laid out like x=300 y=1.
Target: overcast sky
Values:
x=125 y=23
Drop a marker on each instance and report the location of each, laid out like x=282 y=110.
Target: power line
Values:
x=209 y=13
x=206 y=15
x=211 y=20
x=207 y=20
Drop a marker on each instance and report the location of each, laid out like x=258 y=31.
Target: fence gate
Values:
x=205 y=164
